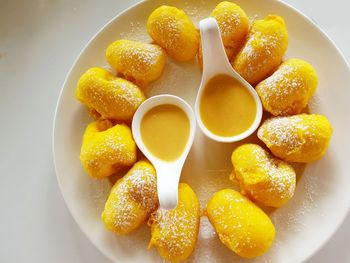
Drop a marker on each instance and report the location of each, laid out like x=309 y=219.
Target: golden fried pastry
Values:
x=241 y=225
x=261 y=176
x=107 y=148
x=301 y=138
x=288 y=90
x=174 y=232
x=233 y=23
x=262 y=53
x=234 y=26
x=111 y=97
x=171 y=29
x=137 y=61
x=132 y=199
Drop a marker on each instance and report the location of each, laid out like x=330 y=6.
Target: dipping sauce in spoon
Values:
x=163 y=128
x=165 y=131
x=227 y=108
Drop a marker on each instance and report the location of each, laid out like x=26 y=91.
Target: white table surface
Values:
x=39 y=40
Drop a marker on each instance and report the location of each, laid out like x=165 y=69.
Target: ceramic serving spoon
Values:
x=215 y=62
x=168 y=172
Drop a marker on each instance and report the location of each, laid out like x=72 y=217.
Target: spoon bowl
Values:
x=215 y=62
x=168 y=172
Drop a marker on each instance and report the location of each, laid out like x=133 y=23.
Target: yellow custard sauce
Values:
x=165 y=130
x=227 y=108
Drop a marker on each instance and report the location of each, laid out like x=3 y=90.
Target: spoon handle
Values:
x=214 y=55
x=168 y=177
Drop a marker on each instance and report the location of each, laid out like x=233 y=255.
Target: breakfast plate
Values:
x=303 y=225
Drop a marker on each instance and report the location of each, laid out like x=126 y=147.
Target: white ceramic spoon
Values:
x=168 y=173
x=215 y=62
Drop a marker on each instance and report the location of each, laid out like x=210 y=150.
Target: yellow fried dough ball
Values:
x=241 y=225
x=233 y=23
x=111 y=97
x=137 y=61
x=175 y=231
x=171 y=29
x=263 y=51
x=234 y=26
x=288 y=90
x=132 y=199
x=263 y=177
x=300 y=138
x=107 y=148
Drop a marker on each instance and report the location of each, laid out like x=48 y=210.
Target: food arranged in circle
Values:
x=264 y=172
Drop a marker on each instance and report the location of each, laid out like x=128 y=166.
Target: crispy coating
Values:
x=261 y=176
x=111 y=97
x=300 y=138
x=132 y=199
x=233 y=23
x=263 y=51
x=241 y=225
x=288 y=90
x=174 y=232
x=107 y=148
x=139 y=62
x=234 y=27
x=171 y=29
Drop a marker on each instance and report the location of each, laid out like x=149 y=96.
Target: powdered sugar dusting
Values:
x=137 y=61
x=181 y=79
x=304 y=203
x=195 y=12
x=281 y=132
x=135 y=31
x=142 y=55
x=134 y=192
x=285 y=92
x=274 y=179
x=166 y=32
x=113 y=98
x=258 y=51
x=107 y=148
x=176 y=230
x=230 y=21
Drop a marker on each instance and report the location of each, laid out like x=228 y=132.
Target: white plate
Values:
x=322 y=197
